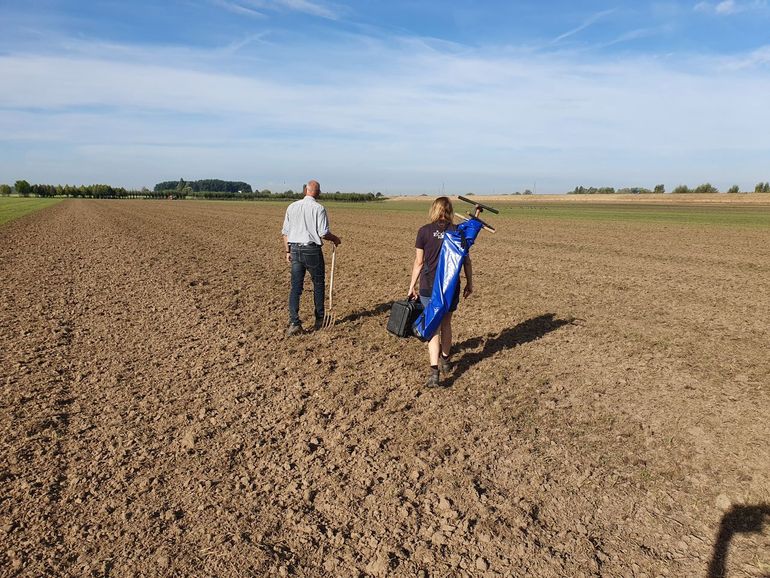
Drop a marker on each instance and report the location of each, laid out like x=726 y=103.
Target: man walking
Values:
x=304 y=228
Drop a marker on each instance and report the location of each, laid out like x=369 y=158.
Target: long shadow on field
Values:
x=524 y=332
x=376 y=310
x=738 y=520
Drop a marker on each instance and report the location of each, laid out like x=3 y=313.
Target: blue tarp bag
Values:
x=454 y=250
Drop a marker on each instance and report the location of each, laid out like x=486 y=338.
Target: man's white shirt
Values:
x=305 y=221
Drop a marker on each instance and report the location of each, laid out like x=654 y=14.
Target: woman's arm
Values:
x=468 y=268
x=416 y=270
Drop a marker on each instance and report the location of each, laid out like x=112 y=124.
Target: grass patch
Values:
x=679 y=214
x=685 y=213
x=730 y=216
x=13 y=207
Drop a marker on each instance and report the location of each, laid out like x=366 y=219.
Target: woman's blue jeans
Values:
x=306 y=258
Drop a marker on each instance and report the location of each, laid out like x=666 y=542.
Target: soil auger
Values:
x=478 y=209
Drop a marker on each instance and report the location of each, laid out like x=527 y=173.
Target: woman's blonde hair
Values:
x=441 y=210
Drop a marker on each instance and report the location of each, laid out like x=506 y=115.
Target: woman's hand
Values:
x=467 y=291
x=413 y=294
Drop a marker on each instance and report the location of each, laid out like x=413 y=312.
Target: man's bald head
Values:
x=313 y=188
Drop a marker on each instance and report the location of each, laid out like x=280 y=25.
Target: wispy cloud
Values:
x=236 y=8
x=755 y=59
x=309 y=7
x=636 y=34
x=259 y=7
x=587 y=23
x=478 y=116
x=729 y=7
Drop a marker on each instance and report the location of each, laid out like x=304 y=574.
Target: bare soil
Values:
x=607 y=415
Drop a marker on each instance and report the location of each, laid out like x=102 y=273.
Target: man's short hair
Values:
x=313 y=186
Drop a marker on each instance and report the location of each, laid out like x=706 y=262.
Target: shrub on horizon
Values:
x=706 y=188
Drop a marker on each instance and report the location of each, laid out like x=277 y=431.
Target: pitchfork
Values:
x=329 y=317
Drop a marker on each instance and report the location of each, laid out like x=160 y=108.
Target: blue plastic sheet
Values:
x=454 y=250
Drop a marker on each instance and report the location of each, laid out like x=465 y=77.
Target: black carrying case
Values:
x=403 y=314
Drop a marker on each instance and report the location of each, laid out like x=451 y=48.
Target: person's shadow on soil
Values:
x=376 y=310
x=738 y=520
x=524 y=332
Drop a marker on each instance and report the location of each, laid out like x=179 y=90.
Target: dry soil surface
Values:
x=607 y=415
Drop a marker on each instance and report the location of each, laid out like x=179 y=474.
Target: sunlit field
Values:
x=606 y=414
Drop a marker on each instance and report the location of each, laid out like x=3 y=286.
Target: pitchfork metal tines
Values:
x=329 y=317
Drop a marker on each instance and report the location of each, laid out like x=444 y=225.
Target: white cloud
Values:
x=755 y=59
x=587 y=23
x=236 y=8
x=308 y=7
x=729 y=7
x=404 y=112
x=726 y=7
x=257 y=7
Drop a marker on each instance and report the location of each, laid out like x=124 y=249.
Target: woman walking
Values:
x=427 y=250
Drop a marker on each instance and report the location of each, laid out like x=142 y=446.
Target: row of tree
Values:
x=238 y=190
x=24 y=189
x=681 y=189
x=268 y=195
x=204 y=185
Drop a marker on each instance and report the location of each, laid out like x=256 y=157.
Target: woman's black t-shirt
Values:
x=429 y=239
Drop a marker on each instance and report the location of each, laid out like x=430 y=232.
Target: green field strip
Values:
x=721 y=215
x=685 y=214
x=12 y=207
x=727 y=215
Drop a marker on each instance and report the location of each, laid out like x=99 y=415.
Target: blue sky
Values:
x=397 y=96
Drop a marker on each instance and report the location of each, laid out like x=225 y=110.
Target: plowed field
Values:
x=608 y=414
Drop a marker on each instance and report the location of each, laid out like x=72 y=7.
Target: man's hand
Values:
x=333 y=238
x=467 y=291
x=288 y=256
x=413 y=294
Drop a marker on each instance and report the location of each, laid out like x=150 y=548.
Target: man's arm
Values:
x=329 y=236
x=287 y=248
x=323 y=225
x=285 y=233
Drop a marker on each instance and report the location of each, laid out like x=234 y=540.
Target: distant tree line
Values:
x=268 y=195
x=215 y=189
x=23 y=189
x=705 y=188
x=205 y=185
x=681 y=189
x=612 y=191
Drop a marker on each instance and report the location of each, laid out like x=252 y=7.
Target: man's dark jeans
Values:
x=306 y=258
